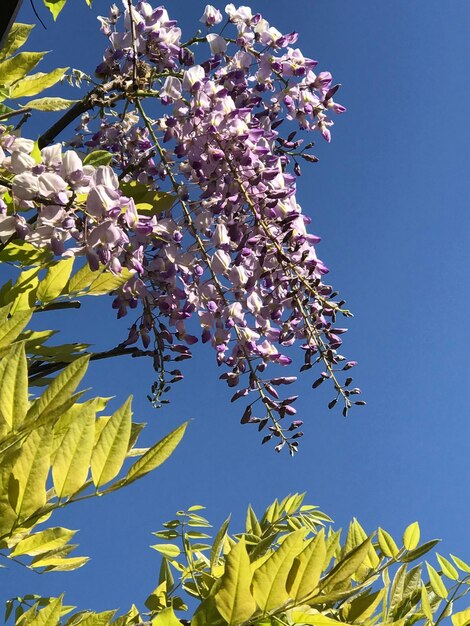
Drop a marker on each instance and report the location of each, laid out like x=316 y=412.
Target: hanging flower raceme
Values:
x=230 y=252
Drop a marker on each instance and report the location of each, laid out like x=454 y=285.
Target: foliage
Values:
x=288 y=566
x=54 y=448
x=16 y=80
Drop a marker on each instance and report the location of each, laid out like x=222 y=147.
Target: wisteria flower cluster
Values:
x=202 y=120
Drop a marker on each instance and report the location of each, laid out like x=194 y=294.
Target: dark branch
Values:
x=7 y=16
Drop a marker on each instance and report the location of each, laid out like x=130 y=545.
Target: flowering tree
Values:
x=177 y=193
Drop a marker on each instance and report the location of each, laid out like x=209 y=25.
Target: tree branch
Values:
x=82 y=106
x=8 y=14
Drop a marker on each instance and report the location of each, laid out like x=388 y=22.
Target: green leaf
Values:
x=461 y=564
x=252 y=524
x=347 y=566
x=61 y=389
x=307 y=568
x=157 y=454
x=49 y=615
x=387 y=544
x=72 y=459
x=23 y=293
x=55 y=6
x=425 y=604
x=55 y=280
x=17 y=37
x=170 y=550
x=207 y=614
x=218 y=543
x=89 y=618
x=462 y=618
x=270 y=579
x=10 y=329
x=3 y=107
x=30 y=473
x=97 y=283
x=420 y=551
x=18 y=66
x=44 y=541
x=436 y=582
x=110 y=451
x=49 y=104
x=411 y=536
x=59 y=564
x=14 y=402
x=24 y=253
x=364 y=606
x=313 y=619
x=8 y=517
x=166 y=617
x=98 y=157
x=148 y=201
x=36 y=83
x=233 y=599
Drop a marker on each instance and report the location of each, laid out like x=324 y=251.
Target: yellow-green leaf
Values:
x=49 y=615
x=110 y=451
x=107 y=282
x=233 y=599
x=13 y=388
x=8 y=516
x=96 y=283
x=53 y=284
x=461 y=564
x=307 y=568
x=418 y=552
x=447 y=568
x=217 y=544
x=387 y=544
x=436 y=582
x=72 y=459
x=462 y=618
x=36 y=83
x=23 y=293
x=49 y=104
x=24 y=253
x=55 y=6
x=207 y=614
x=61 y=388
x=156 y=455
x=363 y=606
x=59 y=564
x=44 y=541
x=18 y=66
x=411 y=536
x=270 y=579
x=166 y=617
x=29 y=475
x=147 y=200
x=98 y=157
x=347 y=566
x=10 y=329
x=17 y=36
x=168 y=550
x=425 y=604
x=313 y=619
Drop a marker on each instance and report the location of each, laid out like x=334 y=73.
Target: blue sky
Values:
x=390 y=200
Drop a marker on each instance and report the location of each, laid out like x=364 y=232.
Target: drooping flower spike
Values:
x=216 y=124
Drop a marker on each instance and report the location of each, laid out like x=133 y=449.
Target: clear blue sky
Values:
x=390 y=200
